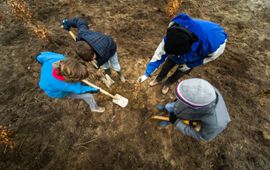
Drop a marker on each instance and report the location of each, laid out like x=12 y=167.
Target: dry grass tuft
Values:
x=21 y=11
x=5 y=137
x=173 y=7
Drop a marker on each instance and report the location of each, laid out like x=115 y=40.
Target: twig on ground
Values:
x=84 y=143
x=19 y=149
x=5 y=149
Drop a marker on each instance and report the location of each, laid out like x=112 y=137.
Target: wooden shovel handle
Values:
x=165 y=118
x=72 y=35
x=101 y=90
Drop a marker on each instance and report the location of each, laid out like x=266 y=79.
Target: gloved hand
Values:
x=65 y=24
x=173 y=117
x=95 y=91
x=142 y=78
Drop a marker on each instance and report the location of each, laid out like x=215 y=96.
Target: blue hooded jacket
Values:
x=53 y=87
x=210 y=37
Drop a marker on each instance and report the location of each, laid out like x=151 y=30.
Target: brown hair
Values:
x=73 y=70
x=84 y=51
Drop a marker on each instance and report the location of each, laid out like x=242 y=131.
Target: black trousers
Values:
x=167 y=66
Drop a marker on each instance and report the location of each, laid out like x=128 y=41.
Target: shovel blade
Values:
x=120 y=100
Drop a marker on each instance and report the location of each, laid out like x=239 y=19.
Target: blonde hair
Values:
x=73 y=70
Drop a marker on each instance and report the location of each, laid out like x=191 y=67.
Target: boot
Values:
x=121 y=76
x=107 y=71
x=164 y=123
x=165 y=89
x=160 y=107
x=154 y=83
x=98 y=109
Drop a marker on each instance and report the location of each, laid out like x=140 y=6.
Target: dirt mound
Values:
x=64 y=134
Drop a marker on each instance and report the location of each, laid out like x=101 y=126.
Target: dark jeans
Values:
x=167 y=66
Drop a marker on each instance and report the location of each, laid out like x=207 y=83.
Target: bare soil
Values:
x=64 y=134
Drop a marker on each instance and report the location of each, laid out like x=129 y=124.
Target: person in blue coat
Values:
x=61 y=78
x=188 y=43
x=96 y=46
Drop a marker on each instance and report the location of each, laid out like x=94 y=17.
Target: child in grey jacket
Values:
x=199 y=101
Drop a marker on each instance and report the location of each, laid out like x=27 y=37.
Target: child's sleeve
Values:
x=78 y=88
x=79 y=23
x=158 y=58
x=187 y=130
x=48 y=56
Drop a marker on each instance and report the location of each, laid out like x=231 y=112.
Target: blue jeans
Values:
x=169 y=107
x=113 y=62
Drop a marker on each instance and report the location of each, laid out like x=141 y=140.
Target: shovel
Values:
x=165 y=118
x=107 y=80
x=196 y=125
x=117 y=99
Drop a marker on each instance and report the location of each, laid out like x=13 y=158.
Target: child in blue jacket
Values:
x=188 y=43
x=61 y=77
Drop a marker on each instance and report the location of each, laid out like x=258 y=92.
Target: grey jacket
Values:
x=214 y=118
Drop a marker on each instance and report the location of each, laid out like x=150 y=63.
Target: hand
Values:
x=142 y=78
x=173 y=117
x=95 y=91
x=65 y=25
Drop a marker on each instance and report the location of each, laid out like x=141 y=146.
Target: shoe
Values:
x=107 y=71
x=165 y=89
x=164 y=123
x=154 y=83
x=98 y=109
x=160 y=107
x=121 y=76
